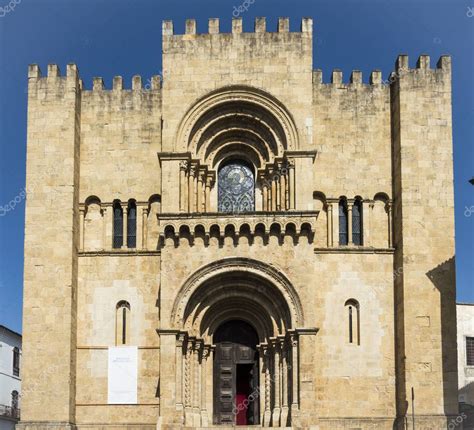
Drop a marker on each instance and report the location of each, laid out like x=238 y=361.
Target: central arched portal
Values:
x=235 y=375
x=237 y=345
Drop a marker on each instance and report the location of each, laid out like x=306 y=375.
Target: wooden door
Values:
x=235 y=356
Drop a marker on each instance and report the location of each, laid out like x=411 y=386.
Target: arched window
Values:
x=353 y=321
x=357 y=233
x=343 y=222
x=118 y=225
x=132 y=225
x=16 y=361
x=15 y=400
x=236 y=187
x=122 y=323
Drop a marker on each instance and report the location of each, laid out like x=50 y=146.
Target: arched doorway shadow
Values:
x=236 y=371
x=242 y=315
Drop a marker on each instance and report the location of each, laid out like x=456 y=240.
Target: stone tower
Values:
x=240 y=242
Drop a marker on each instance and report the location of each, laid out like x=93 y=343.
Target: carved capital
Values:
x=180 y=338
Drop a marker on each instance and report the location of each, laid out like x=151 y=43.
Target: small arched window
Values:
x=16 y=361
x=343 y=222
x=236 y=187
x=122 y=323
x=132 y=225
x=118 y=225
x=353 y=321
x=357 y=232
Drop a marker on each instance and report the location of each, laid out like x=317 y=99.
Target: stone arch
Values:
x=233 y=114
x=247 y=281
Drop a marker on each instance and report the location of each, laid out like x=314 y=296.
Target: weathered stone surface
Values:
x=158 y=146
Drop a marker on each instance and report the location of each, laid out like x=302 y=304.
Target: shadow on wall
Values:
x=444 y=279
x=468 y=393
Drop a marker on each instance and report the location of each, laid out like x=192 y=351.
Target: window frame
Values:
x=357 y=214
x=117 y=225
x=16 y=361
x=343 y=217
x=468 y=347
x=353 y=321
x=131 y=224
x=122 y=323
x=221 y=193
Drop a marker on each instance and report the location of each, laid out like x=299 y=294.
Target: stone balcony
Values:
x=249 y=224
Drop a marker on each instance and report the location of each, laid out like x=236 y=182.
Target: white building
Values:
x=465 y=323
x=10 y=378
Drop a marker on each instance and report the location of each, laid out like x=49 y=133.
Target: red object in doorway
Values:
x=241 y=406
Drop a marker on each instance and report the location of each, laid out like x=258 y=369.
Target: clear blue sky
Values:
x=123 y=37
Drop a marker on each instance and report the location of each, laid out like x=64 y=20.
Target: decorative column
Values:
x=139 y=226
x=282 y=191
x=349 y=221
x=367 y=214
x=390 y=234
x=183 y=167
x=277 y=179
x=294 y=375
x=195 y=188
x=190 y=195
x=330 y=230
x=274 y=193
x=207 y=193
x=124 y=225
x=180 y=340
x=292 y=184
x=198 y=344
x=284 y=382
x=145 y=228
x=264 y=196
x=206 y=351
x=82 y=215
x=276 y=383
x=188 y=383
x=267 y=412
x=109 y=222
x=199 y=192
x=104 y=227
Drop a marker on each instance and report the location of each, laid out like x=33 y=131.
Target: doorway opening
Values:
x=236 y=393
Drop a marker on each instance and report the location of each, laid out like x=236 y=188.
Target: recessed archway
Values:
x=237 y=113
x=263 y=300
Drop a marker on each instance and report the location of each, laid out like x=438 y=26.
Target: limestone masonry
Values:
x=279 y=251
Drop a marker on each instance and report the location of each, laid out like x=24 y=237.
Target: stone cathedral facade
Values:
x=239 y=242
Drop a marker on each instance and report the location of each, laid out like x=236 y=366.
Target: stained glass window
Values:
x=236 y=188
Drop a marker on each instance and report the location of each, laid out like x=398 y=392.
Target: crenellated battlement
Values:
x=54 y=75
x=443 y=66
x=283 y=26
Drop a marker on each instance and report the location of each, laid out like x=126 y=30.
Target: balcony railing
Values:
x=9 y=412
x=294 y=223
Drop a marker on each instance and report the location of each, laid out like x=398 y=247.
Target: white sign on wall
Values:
x=122 y=375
